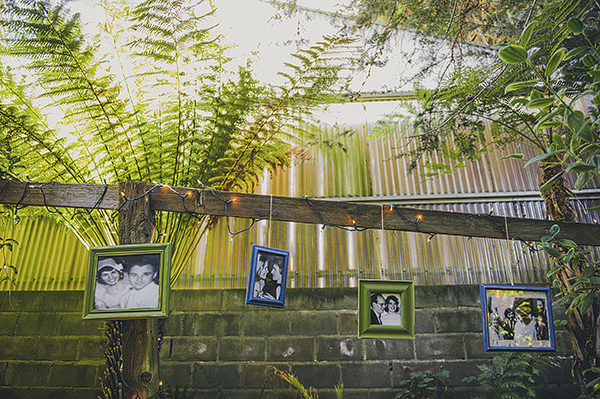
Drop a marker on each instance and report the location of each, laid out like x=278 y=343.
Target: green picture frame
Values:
x=378 y=317
x=128 y=282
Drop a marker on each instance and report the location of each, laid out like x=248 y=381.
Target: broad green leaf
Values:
x=574 y=120
x=526 y=35
x=575 y=51
x=535 y=94
x=578 y=167
x=555 y=61
x=543 y=102
x=596 y=99
x=595 y=161
x=520 y=85
x=546 y=186
x=513 y=54
x=513 y=156
x=555 y=229
x=583 y=179
x=586 y=305
x=558 y=139
x=589 y=61
x=548 y=125
x=567 y=243
x=588 y=272
x=554 y=270
x=575 y=25
x=551 y=251
x=543 y=156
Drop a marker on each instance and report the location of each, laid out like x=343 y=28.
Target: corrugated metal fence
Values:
x=343 y=165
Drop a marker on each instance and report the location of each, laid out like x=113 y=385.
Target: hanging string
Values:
x=354 y=228
x=270 y=219
x=509 y=253
x=505 y=232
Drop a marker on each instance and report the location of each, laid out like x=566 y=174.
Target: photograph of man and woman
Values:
x=268 y=276
x=127 y=282
x=385 y=309
x=517 y=319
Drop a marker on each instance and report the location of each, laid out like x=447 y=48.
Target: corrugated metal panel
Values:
x=352 y=168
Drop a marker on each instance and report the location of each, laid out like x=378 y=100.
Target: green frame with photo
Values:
x=404 y=290
x=164 y=250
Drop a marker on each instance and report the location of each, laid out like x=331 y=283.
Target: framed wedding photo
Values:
x=516 y=318
x=386 y=309
x=267 y=278
x=128 y=282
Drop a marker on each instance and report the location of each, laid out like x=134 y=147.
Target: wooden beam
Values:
x=302 y=210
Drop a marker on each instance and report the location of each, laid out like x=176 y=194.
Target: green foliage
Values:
x=579 y=291
x=513 y=375
x=574 y=134
x=148 y=99
x=425 y=385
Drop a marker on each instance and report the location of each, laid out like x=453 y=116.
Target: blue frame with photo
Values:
x=267 y=266
x=516 y=318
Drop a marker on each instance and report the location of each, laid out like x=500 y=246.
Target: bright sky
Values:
x=258 y=34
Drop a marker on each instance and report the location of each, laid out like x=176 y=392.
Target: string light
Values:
x=504 y=233
x=353 y=228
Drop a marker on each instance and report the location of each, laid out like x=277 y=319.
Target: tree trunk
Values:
x=139 y=337
x=583 y=328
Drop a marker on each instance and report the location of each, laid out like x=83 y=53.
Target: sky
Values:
x=267 y=37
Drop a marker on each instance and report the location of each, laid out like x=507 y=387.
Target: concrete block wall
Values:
x=47 y=351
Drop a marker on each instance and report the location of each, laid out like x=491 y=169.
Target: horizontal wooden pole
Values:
x=300 y=210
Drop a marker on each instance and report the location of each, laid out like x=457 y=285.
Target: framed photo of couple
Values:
x=516 y=318
x=386 y=309
x=128 y=282
x=267 y=278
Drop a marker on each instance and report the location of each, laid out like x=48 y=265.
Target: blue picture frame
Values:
x=267 y=278
x=516 y=318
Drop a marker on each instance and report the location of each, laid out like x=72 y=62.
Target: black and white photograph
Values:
x=267 y=276
x=385 y=309
x=516 y=318
x=127 y=278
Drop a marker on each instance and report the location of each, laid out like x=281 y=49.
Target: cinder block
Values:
x=3 y=367
x=367 y=375
x=319 y=375
x=458 y=320
x=175 y=374
x=34 y=324
x=474 y=347
x=72 y=324
x=8 y=323
x=13 y=393
x=435 y=296
x=313 y=323
x=27 y=374
x=320 y=299
x=348 y=323
x=56 y=348
x=193 y=349
x=335 y=348
x=73 y=375
x=241 y=349
x=447 y=346
x=234 y=301
x=261 y=375
x=424 y=321
x=214 y=376
x=381 y=349
x=91 y=348
x=17 y=348
x=266 y=324
x=218 y=324
x=195 y=300
x=86 y=393
x=182 y=324
x=290 y=349
x=52 y=393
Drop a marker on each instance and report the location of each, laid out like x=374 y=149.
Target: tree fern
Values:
x=155 y=105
